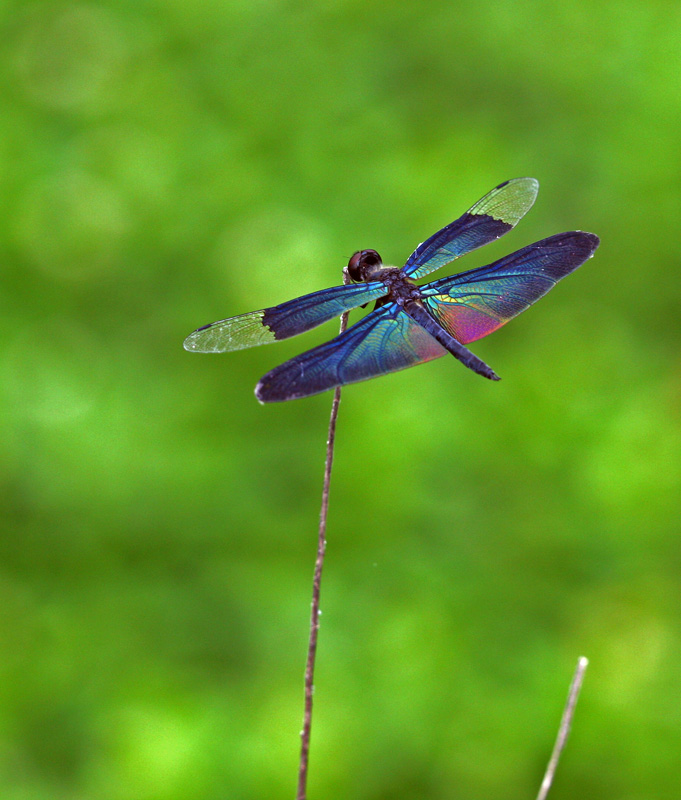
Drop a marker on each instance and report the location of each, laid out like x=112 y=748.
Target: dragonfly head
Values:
x=364 y=265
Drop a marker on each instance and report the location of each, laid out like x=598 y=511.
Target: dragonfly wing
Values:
x=386 y=340
x=491 y=217
x=473 y=304
x=283 y=321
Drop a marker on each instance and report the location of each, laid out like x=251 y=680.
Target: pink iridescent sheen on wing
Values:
x=473 y=304
x=465 y=323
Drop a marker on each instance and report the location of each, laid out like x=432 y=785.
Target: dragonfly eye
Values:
x=363 y=263
x=354 y=266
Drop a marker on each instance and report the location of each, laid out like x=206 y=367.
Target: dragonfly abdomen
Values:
x=419 y=314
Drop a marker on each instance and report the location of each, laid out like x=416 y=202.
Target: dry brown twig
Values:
x=577 y=679
x=564 y=728
x=316 y=586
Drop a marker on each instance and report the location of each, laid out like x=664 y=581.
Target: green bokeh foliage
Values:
x=164 y=164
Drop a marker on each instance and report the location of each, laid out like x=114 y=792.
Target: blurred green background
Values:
x=165 y=164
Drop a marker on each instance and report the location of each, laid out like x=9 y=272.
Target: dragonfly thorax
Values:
x=400 y=288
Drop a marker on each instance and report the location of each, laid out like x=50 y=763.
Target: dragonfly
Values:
x=410 y=324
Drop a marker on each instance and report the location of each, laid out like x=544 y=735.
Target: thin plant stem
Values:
x=564 y=729
x=316 y=586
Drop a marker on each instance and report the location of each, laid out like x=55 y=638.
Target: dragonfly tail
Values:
x=419 y=314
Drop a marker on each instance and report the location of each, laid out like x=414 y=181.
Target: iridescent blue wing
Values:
x=473 y=304
x=386 y=340
x=487 y=220
x=280 y=322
